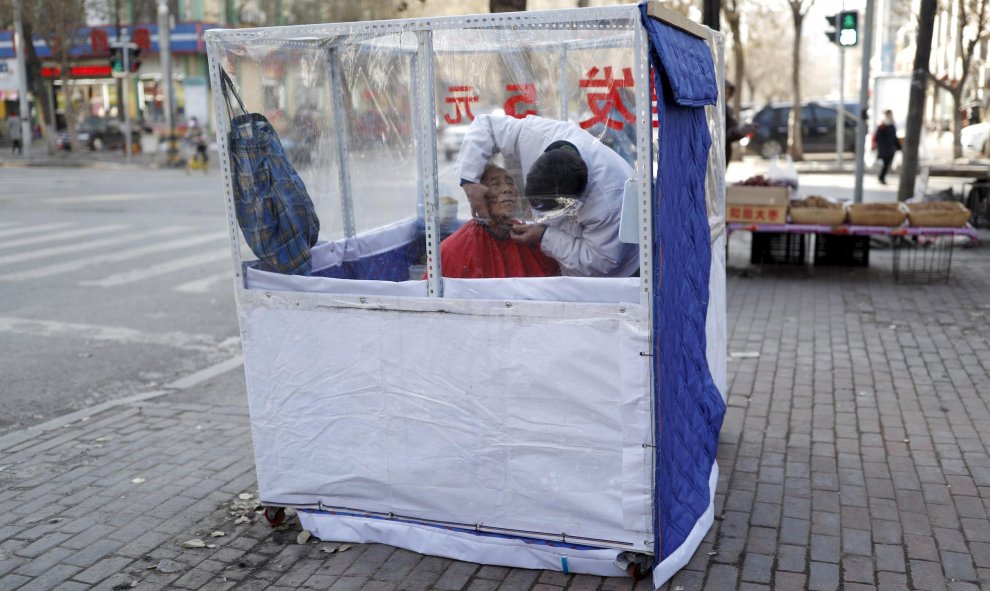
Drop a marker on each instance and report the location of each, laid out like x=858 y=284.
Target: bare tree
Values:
x=766 y=56
x=733 y=18
x=799 y=10
x=971 y=27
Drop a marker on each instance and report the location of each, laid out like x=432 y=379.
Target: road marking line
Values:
x=25 y=230
x=50 y=237
x=113 y=334
x=115 y=197
x=69 y=266
x=203 y=285
x=159 y=269
x=77 y=246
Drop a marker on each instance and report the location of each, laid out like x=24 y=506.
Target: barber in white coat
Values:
x=561 y=162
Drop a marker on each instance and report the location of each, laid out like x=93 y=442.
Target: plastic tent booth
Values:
x=567 y=423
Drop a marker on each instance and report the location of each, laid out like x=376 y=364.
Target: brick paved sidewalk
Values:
x=853 y=457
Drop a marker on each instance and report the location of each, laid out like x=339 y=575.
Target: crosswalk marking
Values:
x=111 y=197
x=29 y=229
x=159 y=269
x=113 y=257
x=203 y=285
x=77 y=246
x=48 y=237
x=116 y=334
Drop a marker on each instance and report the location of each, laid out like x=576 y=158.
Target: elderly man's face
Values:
x=502 y=197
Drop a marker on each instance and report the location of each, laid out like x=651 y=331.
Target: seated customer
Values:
x=484 y=250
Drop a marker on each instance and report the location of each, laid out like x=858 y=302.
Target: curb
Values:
x=184 y=383
x=49 y=163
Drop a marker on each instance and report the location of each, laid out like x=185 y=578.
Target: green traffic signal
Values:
x=116 y=59
x=848 y=34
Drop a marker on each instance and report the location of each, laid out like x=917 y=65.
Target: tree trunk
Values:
x=794 y=145
x=37 y=87
x=739 y=57
x=916 y=101
x=956 y=94
x=70 y=112
x=506 y=5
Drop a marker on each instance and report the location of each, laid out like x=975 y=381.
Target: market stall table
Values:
x=921 y=254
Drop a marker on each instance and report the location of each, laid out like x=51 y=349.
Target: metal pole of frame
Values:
x=339 y=116
x=643 y=170
x=426 y=156
x=563 y=85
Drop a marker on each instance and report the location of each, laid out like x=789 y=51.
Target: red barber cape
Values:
x=472 y=253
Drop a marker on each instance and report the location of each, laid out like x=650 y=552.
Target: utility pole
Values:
x=127 y=98
x=165 y=53
x=864 y=87
x=22 y=86
x=840 y=119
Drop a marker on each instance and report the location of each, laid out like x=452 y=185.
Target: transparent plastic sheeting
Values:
x=534 y=423
x=345 y=106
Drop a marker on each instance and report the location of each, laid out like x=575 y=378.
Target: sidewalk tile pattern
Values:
x=854 y=456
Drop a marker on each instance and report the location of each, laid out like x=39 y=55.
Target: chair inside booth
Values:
x=349 y=114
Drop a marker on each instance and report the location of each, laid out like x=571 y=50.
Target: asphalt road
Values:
x=117 y=282
x=112 y=282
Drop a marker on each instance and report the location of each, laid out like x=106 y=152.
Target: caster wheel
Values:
x=275 y=516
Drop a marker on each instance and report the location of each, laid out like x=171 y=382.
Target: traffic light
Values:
x=117 y=60
x=848 y=28
x=134 y=59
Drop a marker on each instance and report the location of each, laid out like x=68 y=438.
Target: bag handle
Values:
x=227 y=88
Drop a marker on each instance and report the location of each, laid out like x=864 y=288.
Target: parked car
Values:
x=767 y=135
x=101 y=133
x=451 y=139
x=974 y=137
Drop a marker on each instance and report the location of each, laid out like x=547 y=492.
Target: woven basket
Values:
x=893 y=215
x=818 y=216
x=938 y=218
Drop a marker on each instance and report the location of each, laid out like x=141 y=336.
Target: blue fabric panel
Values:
x=689 y=405
x=686 y=61
x=387 y=266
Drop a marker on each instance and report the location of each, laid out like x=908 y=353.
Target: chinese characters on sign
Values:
x=604 y=97
x=465 y=97
x=756 y=214
x=602 y=103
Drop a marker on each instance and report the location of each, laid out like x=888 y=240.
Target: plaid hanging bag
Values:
x=273 y=209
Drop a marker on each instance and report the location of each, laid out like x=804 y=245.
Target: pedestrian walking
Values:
x=14 y=129
x=733 y=131
x=886 y=144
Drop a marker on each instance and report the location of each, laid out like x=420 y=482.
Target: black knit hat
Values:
x=558 y=172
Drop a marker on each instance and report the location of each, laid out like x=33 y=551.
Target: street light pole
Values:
x=126 y=98
x=22 y=87
x=864 y=87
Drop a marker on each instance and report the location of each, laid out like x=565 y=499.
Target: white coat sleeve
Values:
x=487 y=135
x=597 y=252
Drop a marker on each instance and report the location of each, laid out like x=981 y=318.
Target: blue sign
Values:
x=185 y=38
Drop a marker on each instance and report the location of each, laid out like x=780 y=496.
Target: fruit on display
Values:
x=816 y=202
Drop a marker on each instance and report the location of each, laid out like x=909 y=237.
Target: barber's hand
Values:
x=476 y=193
x=528 y=234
